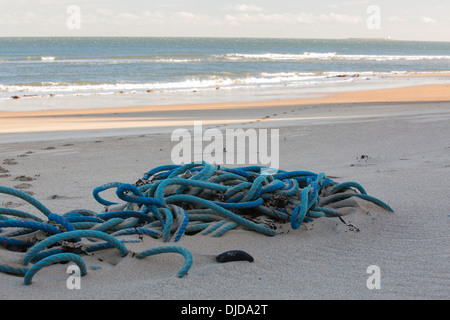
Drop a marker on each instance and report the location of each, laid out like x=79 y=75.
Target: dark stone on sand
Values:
x=234 y=255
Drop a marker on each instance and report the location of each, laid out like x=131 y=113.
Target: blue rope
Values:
x=169 y=202
x=14 y=271
x=168 y=249
x=167 y=223
x=8 y=241
x=348 y=185
x=224 y=213
x=108 y=225
x=62 y=221
x=52 y=260
x=33 y=225
x=44 y=254
x=102 y=188
x=71 y=235
x=74 y=219
x=183 y=219
x=299 y=213
x=24 y=196
x=19 y=214
x=340 y=197
x=79 y=212
x=225 y=228
x=151 y=233
x=124 y=215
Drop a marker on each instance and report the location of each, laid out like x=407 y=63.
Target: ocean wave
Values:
x=187 y=84
x=212 y=82
x=104 y=60
x=227 y=57
x=48 y=58
x=328 y=56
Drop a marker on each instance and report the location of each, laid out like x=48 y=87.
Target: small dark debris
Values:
x=278 y=201
x=23 y=186
x=363 y=157
x=9 y=161
x=350 y=226
x=142 y=182
x=23 y=178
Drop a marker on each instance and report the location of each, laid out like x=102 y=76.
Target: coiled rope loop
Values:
x=168 y=203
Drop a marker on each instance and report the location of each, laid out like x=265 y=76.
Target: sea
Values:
x=33 y=68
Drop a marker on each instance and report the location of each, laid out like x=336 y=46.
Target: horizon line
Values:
x=228 y=37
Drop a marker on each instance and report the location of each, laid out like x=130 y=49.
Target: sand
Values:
x=63 y=123
x=405 y=133
x=422 y=74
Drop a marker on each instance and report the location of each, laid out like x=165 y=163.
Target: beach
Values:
x=402 y=132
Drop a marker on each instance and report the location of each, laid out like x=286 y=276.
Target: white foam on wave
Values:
x=48 y=58
x=329 y=56
x=263 y=79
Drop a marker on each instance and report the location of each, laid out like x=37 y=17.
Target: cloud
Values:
x=32 y=19
x=352 y=3
x=104 y=11
x=340 y=18
x=246 y=8
x=428 y=20
x=192 y=19
x=128 y=16
x=396 y=19
x=349 y=3
x=154 y=15
x=289 y=18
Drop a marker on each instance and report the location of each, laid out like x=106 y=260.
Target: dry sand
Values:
x=408 y=167
x=422 y=75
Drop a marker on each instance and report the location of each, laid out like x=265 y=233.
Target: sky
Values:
x=323 y=19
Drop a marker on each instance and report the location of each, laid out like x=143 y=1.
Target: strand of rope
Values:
x=168 y=203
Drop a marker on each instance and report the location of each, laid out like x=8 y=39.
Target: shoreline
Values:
x=420 y=93
x=422 y=75
x=59 y=124
x=353 y=91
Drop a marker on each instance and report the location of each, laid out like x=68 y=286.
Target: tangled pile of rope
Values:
x=167 y=203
